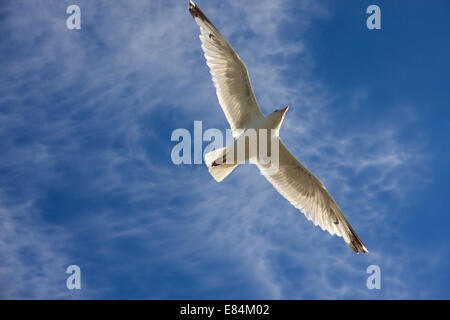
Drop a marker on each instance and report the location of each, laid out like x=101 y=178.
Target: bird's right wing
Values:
x=229 y=74
x=305 y=192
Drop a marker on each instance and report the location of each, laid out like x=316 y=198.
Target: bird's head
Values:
x=277 y=116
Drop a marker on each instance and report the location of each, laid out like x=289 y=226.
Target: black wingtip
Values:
x=195 y=12
x=356 y=244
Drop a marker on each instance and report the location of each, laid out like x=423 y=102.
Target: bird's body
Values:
x=291 y=179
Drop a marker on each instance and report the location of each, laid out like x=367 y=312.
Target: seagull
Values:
x=291 y=179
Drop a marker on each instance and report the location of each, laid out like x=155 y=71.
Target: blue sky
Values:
x=86 y=176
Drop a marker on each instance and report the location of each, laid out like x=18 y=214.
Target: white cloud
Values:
x=33 y=264
x=132 y=58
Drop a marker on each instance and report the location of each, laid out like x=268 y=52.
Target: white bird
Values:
x=292 y=180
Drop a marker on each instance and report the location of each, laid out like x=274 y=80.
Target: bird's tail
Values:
x=217 y=164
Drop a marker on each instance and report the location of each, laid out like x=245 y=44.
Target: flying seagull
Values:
x=292 y=180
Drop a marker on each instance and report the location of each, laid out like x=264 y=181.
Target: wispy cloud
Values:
x=89 y=114
x=33 y=265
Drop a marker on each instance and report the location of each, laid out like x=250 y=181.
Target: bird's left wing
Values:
x=305 y=192
x=229 y=74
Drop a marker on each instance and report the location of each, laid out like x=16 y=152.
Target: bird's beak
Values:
x=285 y=109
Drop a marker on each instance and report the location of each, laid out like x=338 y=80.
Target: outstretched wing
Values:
x=228 y=73
x=305 y=192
